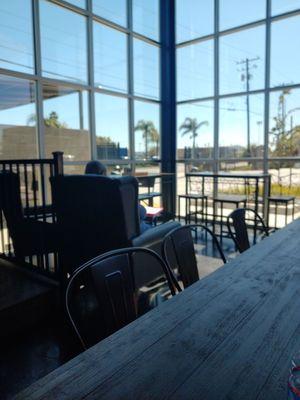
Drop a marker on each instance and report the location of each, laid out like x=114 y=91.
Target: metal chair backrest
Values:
x=147 y=182
x=238 y=223
x=179 y=252
x=101 y=296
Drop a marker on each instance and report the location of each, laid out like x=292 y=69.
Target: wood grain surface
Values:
x=229 y=336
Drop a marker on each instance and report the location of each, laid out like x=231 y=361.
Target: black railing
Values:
x=36 y=200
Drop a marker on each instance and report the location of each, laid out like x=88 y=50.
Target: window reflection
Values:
x=66 y=122
x=187 y=19
x=236 y=12
x=63 y=43
x=195 y=72
x=110 y=58
x=17 y=118
x=16 y=35
x=111 y=127
x=285 y=57
x=241 y=126
x=147 y=130
x=242 y=61
x=146 y=69
x=113 y=10
x=195 y=133
x=146 y=18
x=284 y=134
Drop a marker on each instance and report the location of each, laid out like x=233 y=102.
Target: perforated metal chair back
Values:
x=179 y=252
x=100 y=295
x=238 y=223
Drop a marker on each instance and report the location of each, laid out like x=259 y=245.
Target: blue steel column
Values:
x=168 y=101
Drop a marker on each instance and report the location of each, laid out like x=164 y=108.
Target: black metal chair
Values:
x=238 y=223
x=148 y=182
x=179 y=252
x=101 y=294
x=285 y=201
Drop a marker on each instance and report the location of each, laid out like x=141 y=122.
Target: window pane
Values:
x=285 y=54
x=282 y=6
x=78 y=3
x=242 y=61
x=111 y=127
x=147 y=130
x=237 y=12
x=66 y=122
x=187 y=19
x=284 y=123
x=16 y=36
x=18 y=118
x=110 y=58
x=146 y=69
x=146 y=18
x=63 y=42
x=113 y=10
x=242 y=126
x=195 y=71
x=195 y=134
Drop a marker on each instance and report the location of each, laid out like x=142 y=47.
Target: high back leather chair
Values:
x=96 y=214
x=29 y=236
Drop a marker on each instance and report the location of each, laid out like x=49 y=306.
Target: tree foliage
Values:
x=192 y=126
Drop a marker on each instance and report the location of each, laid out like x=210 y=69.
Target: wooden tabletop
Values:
x=229 y=336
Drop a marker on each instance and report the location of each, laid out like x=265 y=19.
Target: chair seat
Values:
x=193 y=196
x=230 y=199
x=281 y=199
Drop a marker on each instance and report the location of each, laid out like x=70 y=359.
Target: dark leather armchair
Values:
x=96 y=214
x=29 y=236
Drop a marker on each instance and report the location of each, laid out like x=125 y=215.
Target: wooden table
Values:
x=250 y=180
x=229 y=336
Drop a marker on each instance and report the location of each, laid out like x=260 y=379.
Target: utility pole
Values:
x=246 y=77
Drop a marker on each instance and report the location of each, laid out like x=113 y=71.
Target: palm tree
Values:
x=149 y=132
x=191 y=125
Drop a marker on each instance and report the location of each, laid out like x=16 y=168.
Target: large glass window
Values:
x=18 y=137
x=285 y=54
x=110 y=58
x=78 y=3
x=195 y=133
x=63 y=43
x=195 y=72
x=113 y=10
x=146 y=18
x=242 y=61
x=188 y=13
x=236 y=12
x=147 y=130
x=282 y=6
x=284 y=134
x=146 y=69
x=241 y=127
x=66 y=122
x=111 y=127
x=16 y=36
